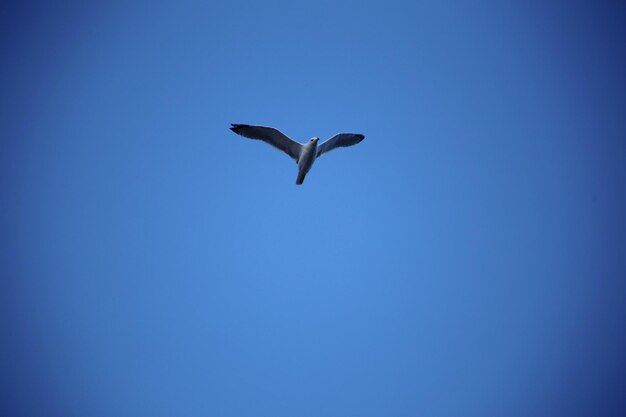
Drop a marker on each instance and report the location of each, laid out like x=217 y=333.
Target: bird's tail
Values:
x=301 y=175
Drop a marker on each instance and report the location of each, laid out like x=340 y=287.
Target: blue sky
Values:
x=466 y=259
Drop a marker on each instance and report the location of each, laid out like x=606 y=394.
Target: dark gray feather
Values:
x=271 y=136
x=338 y=141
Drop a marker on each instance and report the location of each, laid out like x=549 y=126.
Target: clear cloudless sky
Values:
x=466 y=259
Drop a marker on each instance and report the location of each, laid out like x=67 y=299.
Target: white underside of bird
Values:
x=304 y=154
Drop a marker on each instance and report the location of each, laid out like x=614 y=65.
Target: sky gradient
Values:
x=466 y=259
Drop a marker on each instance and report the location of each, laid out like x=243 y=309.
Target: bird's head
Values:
x=314 y=140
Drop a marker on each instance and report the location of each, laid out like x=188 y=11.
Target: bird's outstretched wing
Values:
x=269 y=135
x=338 y=141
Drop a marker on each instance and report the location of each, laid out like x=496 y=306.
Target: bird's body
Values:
x=304 y=154
x=308 y=154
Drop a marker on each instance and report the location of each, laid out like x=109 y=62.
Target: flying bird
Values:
x=304 y=154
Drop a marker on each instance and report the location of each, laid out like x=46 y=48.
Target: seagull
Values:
x=304 y=154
